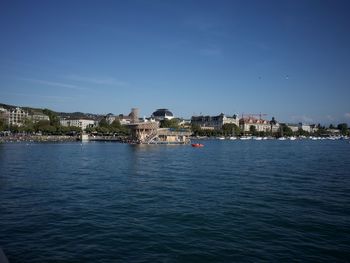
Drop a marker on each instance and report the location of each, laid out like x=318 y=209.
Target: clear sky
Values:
x=288 y=59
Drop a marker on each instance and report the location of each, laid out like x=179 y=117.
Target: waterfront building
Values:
x=133 y=116
x=162 y=114
x=111 y=118
x=214 y=122
x=313 y=128
x=124 y=119
x=304 y=127
x=333 y=131
x=147 y=131
x=293 y=127
x=186 y=123
x=81 y=123
x=275 y=127
x=16 y=116
x=38 y=116
x=260 y=125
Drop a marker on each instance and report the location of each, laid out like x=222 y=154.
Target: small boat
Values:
x=198 y=145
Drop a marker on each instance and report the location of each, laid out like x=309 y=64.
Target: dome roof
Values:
x=162 y=113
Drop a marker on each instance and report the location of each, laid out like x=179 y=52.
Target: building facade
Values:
x=110 y=118
x=214 y=122
x=293 y=127
x=38 y=116
x=81 y=123
x=260 y=125
x=16 y=116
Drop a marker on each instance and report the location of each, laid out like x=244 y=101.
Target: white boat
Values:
x=257 y=138
x=292 y=138
x=281 y=139
x=233 y=138
x=246 y=138
x=221 y=138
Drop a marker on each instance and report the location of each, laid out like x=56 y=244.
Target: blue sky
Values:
x=288 y=59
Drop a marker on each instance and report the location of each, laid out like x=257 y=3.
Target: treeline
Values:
x=284 y=130
x=104 y=128
x=228 y=129
x=320 y=131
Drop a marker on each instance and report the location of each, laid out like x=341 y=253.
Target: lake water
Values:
x=231 y=201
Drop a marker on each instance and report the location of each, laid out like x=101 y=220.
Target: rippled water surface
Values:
x=231 y=201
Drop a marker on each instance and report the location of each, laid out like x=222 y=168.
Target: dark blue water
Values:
x=231 y=201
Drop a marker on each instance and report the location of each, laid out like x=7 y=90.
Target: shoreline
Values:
x=39 y=138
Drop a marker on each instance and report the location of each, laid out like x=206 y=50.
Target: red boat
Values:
x=197 y=145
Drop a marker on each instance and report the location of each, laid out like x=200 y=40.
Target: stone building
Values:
x=260 y=125
x=214 y=122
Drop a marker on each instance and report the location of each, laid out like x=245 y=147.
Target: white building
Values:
x=260 y=125
x=16 y=116
x=38 y=116
x=293 y=127
x=304 y=127
x=214 y=122
x=111 y=118
x=81 y=123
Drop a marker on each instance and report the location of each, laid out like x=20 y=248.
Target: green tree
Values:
x=103 y=123
x=45 y=127
x=196 y=129
x=285 y=130
x=252 y=129
x=103 y=130
x=301 y=132
x=90 y=129
x=230 y=129
x=28 y=126
x=54 y=119
x=343 y=128
x=14 y=128
x=2 y=125
x=116 y=124
x=173 y=123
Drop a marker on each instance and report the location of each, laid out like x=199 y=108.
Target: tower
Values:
x=134 y=115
